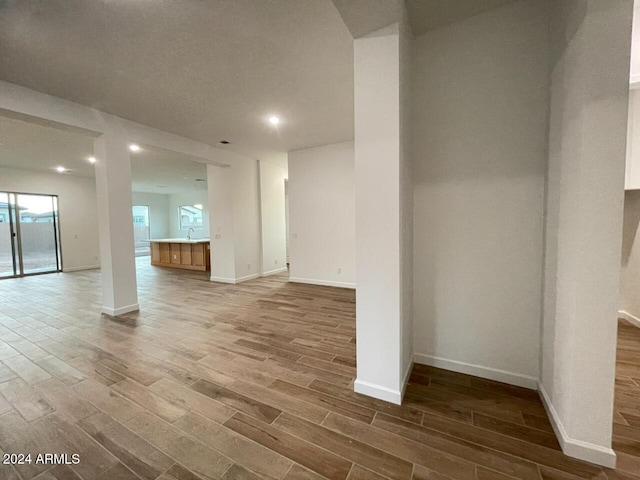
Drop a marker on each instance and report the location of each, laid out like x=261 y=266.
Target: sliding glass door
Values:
x=29 y=234
x=7 y=235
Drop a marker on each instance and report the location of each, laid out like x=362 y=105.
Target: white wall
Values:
x=246 y=219
x=635 y=50
x=220 y=193
x=479 y=129
x=273 y=218
x=322 y=215
x=78 y=211
x=158 y=212
x=588 y=124
x=380 y=161
x=235 y=222
x=630 y=273
x=190 y=198
x=406 y=203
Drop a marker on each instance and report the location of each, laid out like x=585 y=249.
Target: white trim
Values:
x=634 y=82
x=326 y=283
x=273 y=272
x=79 y=269
x=222 y=280
x=478 y=371
x=233 y=281
x=253 y=276
x=405 y=377
x=114 y=312
x=378 y=391
x=632 y=319
x=576 y=448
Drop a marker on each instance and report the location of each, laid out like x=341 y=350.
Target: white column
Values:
x=381 y=241
x=585 y=195
x=113 y=188
x=220 y=185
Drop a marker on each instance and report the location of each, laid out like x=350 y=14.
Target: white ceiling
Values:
x=208 y=70
x=205 y=70
x=158 y=171
x=425 y=15
x=34 y=147
x=365 y=16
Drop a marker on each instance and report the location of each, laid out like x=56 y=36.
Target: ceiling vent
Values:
x=225 y=142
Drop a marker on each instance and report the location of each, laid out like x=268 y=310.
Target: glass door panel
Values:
x=38 y=233
x=7 y=225
x=141 y=230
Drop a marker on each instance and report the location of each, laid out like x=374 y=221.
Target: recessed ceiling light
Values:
x=61 y=169
x=134 y=148
x=273 y=120
x=92 y=159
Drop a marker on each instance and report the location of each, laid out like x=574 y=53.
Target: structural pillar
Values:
x=220 y=185
x=583 y=224
x=115 y=221
x=383 y=214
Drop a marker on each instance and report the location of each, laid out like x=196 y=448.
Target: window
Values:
x=190 y=216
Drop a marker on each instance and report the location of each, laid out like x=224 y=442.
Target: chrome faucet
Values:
x=191 y=229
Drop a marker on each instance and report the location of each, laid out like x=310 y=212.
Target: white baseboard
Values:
x=79 y=269
x=378 y=391
x=120 y=311
x=222 y=279
x=588 y=452
x=233 y=281
x=478 y=371
x=273 y=272
x=326 y=283
x=405 y=377
x=632 y=319
x=253 y=276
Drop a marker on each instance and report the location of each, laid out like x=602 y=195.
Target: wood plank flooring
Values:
x=254 y=381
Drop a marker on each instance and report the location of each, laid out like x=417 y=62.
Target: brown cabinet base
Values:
x=188 y=256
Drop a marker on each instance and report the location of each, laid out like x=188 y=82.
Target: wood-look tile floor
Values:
x=252 y=381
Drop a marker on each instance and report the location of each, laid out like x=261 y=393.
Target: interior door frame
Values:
x=16 y=234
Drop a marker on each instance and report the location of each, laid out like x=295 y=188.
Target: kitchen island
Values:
x=181 y=253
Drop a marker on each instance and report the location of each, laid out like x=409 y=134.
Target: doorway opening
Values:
x=29 y=234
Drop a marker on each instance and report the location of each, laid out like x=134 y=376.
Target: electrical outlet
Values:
x=339 y=271
x=276 y=261
x=175 y=257
x=248 y=266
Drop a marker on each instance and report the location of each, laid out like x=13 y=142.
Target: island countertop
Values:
x=180 y=240
x=181 y=253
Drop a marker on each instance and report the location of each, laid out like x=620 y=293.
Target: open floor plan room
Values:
x=320 y=239
x=255 y=385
